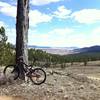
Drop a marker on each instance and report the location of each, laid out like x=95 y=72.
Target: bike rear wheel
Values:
x=10 y=71
x=38 y=76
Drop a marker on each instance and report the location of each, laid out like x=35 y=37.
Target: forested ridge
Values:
x=7 y=54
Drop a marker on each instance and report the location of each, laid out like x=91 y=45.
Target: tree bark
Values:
x=22 y=25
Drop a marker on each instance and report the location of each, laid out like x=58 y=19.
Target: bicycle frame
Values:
x=26 y=69
x=33 y=74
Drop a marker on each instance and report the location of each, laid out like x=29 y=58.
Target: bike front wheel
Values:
x=38 y=76
x=10 y=71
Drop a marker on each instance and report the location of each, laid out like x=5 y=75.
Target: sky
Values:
x=56 y=23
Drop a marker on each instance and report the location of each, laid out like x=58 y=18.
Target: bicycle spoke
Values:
x=38 y=76
x=10 y=72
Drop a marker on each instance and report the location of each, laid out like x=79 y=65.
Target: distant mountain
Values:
x=88 y=49
x=67 y=50
x=36 y=47
x=55 y=50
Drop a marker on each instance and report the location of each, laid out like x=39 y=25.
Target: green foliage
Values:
x=7 y=52
x=3 y=37
x=42 y=56
x=38 y=56
x=7 y=55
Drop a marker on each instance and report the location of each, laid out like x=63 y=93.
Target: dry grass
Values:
x=77 y=82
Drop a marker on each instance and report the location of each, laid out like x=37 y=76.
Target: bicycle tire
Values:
x=35 y=81
x=12 y=68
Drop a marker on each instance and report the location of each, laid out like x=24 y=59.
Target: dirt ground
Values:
x=75 y=82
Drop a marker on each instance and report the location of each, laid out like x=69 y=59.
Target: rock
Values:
x=55 y=79
x=93 y=86
x=81 y=87
x=61 y=89
x=23 y=84
x=48 y=90
x=3 y=79
x=66 y=97
x=69 y=84
x=47 y=74
x=79 y=77
x=51 y=72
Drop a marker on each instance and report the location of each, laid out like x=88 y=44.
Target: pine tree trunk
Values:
x=22 y=25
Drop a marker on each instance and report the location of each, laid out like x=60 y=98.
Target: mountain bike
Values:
x=36 y=75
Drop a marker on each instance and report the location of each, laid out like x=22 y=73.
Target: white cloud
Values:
x=62 y=12
x=80 y=40
x=95 y=36
x=2 y=4
x=61 y=32
x=8 y=9
x=37 y=17
x=43 y=2
x=85 y=39
x=11 y=33
x=96 y=31
x=2 y=24
x=65 y=37
x=59 y=36
x=35 y=38
x=87 y=16
x=56 y=37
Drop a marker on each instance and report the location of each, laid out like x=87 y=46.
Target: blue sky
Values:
x=56 y=23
